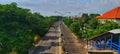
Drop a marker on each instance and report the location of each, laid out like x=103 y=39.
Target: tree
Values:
x=18 y=26
x=93 y=22
x=67 y=21
x=14 y=4
x=75 y=27
x=83 y=19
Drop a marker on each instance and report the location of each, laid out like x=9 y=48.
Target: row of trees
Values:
x=88 y=26
x=19 y=26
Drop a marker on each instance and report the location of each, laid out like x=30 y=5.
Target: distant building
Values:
x=112 y=15
x=73 y=19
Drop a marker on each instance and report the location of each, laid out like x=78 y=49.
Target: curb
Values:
x=70 y=31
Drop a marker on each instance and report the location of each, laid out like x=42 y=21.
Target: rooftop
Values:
x=112 y=14
x=115 y=31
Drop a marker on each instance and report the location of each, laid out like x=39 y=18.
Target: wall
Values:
x=114 y=20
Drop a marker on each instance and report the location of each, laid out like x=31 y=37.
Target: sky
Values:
x=66 y=7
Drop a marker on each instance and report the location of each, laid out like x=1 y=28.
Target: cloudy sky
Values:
x=66 y=7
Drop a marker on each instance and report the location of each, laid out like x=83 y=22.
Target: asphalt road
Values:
x=71 y=44
x=49 y=44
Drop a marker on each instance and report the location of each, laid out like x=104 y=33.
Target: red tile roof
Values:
x=73 y=19
x=112 y=14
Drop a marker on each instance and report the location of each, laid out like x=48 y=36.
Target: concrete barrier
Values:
x=102 y=52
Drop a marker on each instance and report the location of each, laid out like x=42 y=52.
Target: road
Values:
x=71 y=44
x=50 y=43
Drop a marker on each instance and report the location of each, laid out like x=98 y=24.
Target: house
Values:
x=112 y=15
x=73 y=19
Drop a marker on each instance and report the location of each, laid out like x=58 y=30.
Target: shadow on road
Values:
x=55 y=44
x=53 y=31
x=50 y=38
x=41 y=49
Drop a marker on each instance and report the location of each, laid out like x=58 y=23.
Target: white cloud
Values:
x=48 y=7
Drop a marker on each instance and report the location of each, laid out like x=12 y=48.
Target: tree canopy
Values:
x=88 y=26
x=19 y=26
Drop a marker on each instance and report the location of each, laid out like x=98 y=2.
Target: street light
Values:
x=59 y=13
x=69 y=14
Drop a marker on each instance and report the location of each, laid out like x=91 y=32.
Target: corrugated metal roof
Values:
x=115 y=31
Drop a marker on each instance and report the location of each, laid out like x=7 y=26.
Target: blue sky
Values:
x=48 y=7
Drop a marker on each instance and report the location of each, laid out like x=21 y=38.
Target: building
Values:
x=73 y=19
x=112 y=15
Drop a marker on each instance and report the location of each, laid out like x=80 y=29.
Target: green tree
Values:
x=18 y=26
x=75 y=27
x=67 y=21
x=93 y=22
x=83 y=19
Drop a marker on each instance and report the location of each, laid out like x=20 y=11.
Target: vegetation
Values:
x=20 y=28
x=67 y=21
x=88 y=26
